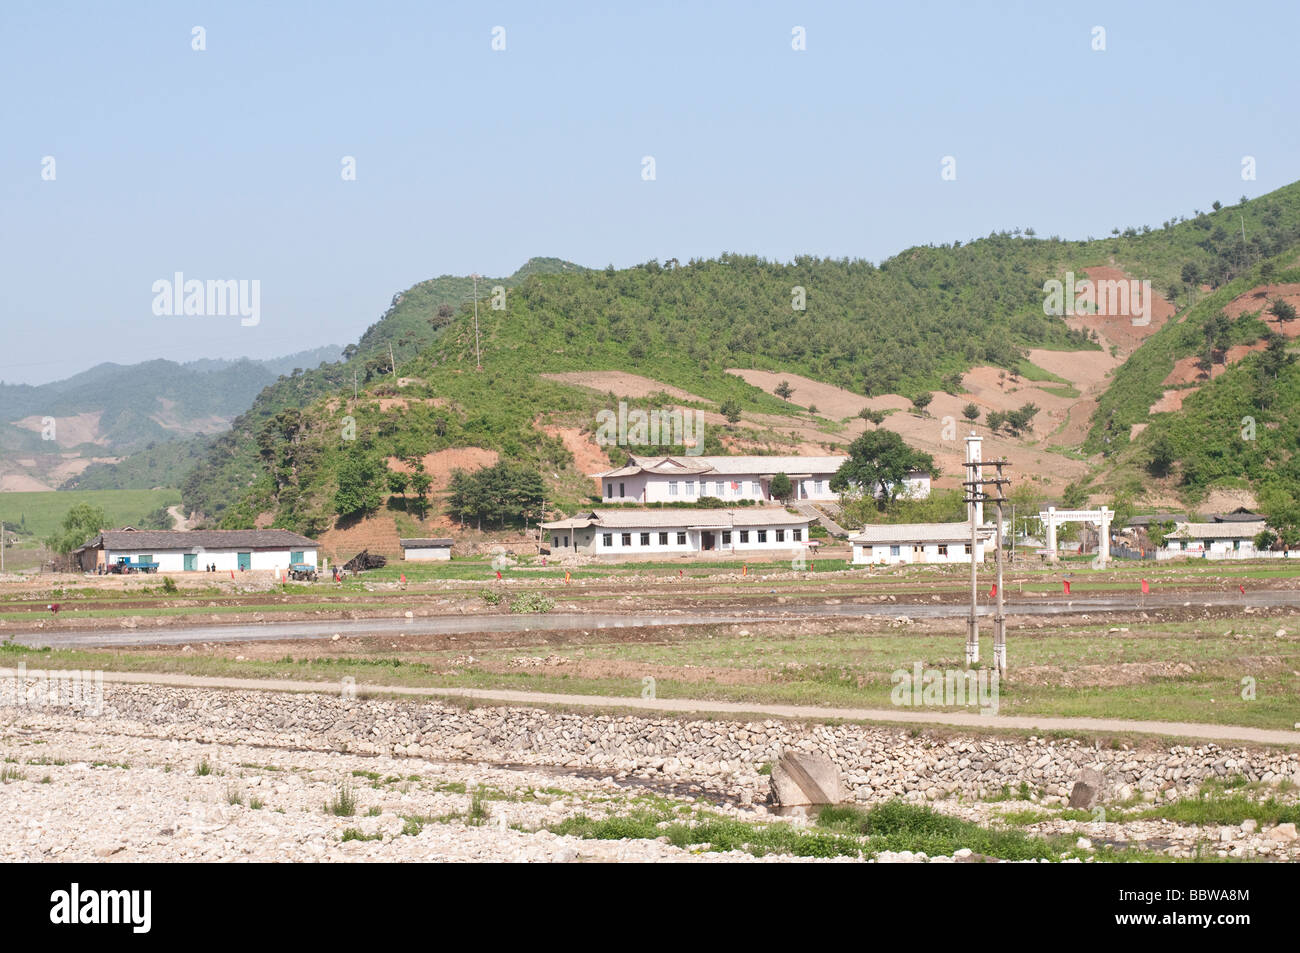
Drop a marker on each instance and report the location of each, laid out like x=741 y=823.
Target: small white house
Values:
x=195 y=550
x=1213 y=541
x=750 y=530
x=426 y=550
x=686 y=479
x=890 y=544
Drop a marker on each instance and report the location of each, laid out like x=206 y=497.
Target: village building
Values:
x=686 y=479
x=893 y=543
x=426 y=549
x=195 y=550
x=1239 y=515
x=679 y=531
x=1215 y=541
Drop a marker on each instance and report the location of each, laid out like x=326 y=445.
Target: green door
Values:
x=191 y=562
x=245 y=560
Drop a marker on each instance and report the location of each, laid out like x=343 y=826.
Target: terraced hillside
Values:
x=962 y=326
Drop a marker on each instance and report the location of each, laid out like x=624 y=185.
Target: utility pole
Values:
x=392 y=361
x=975 y=510
x=999 y=619
x=975 y=497
x=478 y=357
x=1013 y=534
x=354 y=385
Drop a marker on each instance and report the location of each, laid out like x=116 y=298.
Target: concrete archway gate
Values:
x=1051 y=517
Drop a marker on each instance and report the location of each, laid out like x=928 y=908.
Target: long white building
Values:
x=686 y=479
x=175 y=551
x=679 y=531
x=893 y=543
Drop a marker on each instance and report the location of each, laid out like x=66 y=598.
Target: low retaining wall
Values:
x=722 y=757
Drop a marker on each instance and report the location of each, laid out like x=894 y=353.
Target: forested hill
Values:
x=413 y=320
x=904 y=326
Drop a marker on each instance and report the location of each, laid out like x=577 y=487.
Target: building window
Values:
x=744 y=535
x=943 y=550
x=753 y=488
x=609 y=491
x=780 y=536
x=672 y=487
x=645 y=539
x=555 y=542
x=621 y=490
x=726 y=538
x=690 y=487
x=965 y=550
x=627 y=539
x=607 y=539
x=817 y=486
x=762 y=536
x=720 y=489
x=894 y=551
x=681 y=539
x=796 y=534
x=663 y=539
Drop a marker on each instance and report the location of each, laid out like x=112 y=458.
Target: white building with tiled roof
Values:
x=679 y=531
x=892 y=543
x=193 y=550
x=686 y=479
x=1213 y=540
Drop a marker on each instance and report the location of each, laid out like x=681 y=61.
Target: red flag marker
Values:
x=498 y=573
x=1242 y=590
x=566 y=577
x=1066 y=583
x=994 y=591
x=232 y=574
x=403 y=578
x=1146 y=587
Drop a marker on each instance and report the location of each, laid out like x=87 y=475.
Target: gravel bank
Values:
x=281 y=757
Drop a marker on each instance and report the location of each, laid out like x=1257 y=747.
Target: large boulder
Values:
x=1090 y=790
x=800 y=778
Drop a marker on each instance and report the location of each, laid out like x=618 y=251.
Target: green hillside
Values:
x=411 y=323
x=1194 y=332
x=904 y=326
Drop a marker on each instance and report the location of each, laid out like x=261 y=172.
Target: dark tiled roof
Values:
x=144 y=540
x=419 y=543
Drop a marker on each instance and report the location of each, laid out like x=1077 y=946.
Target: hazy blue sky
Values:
x=225 y=163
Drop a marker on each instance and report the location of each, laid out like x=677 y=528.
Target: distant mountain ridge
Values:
x=52 y=433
